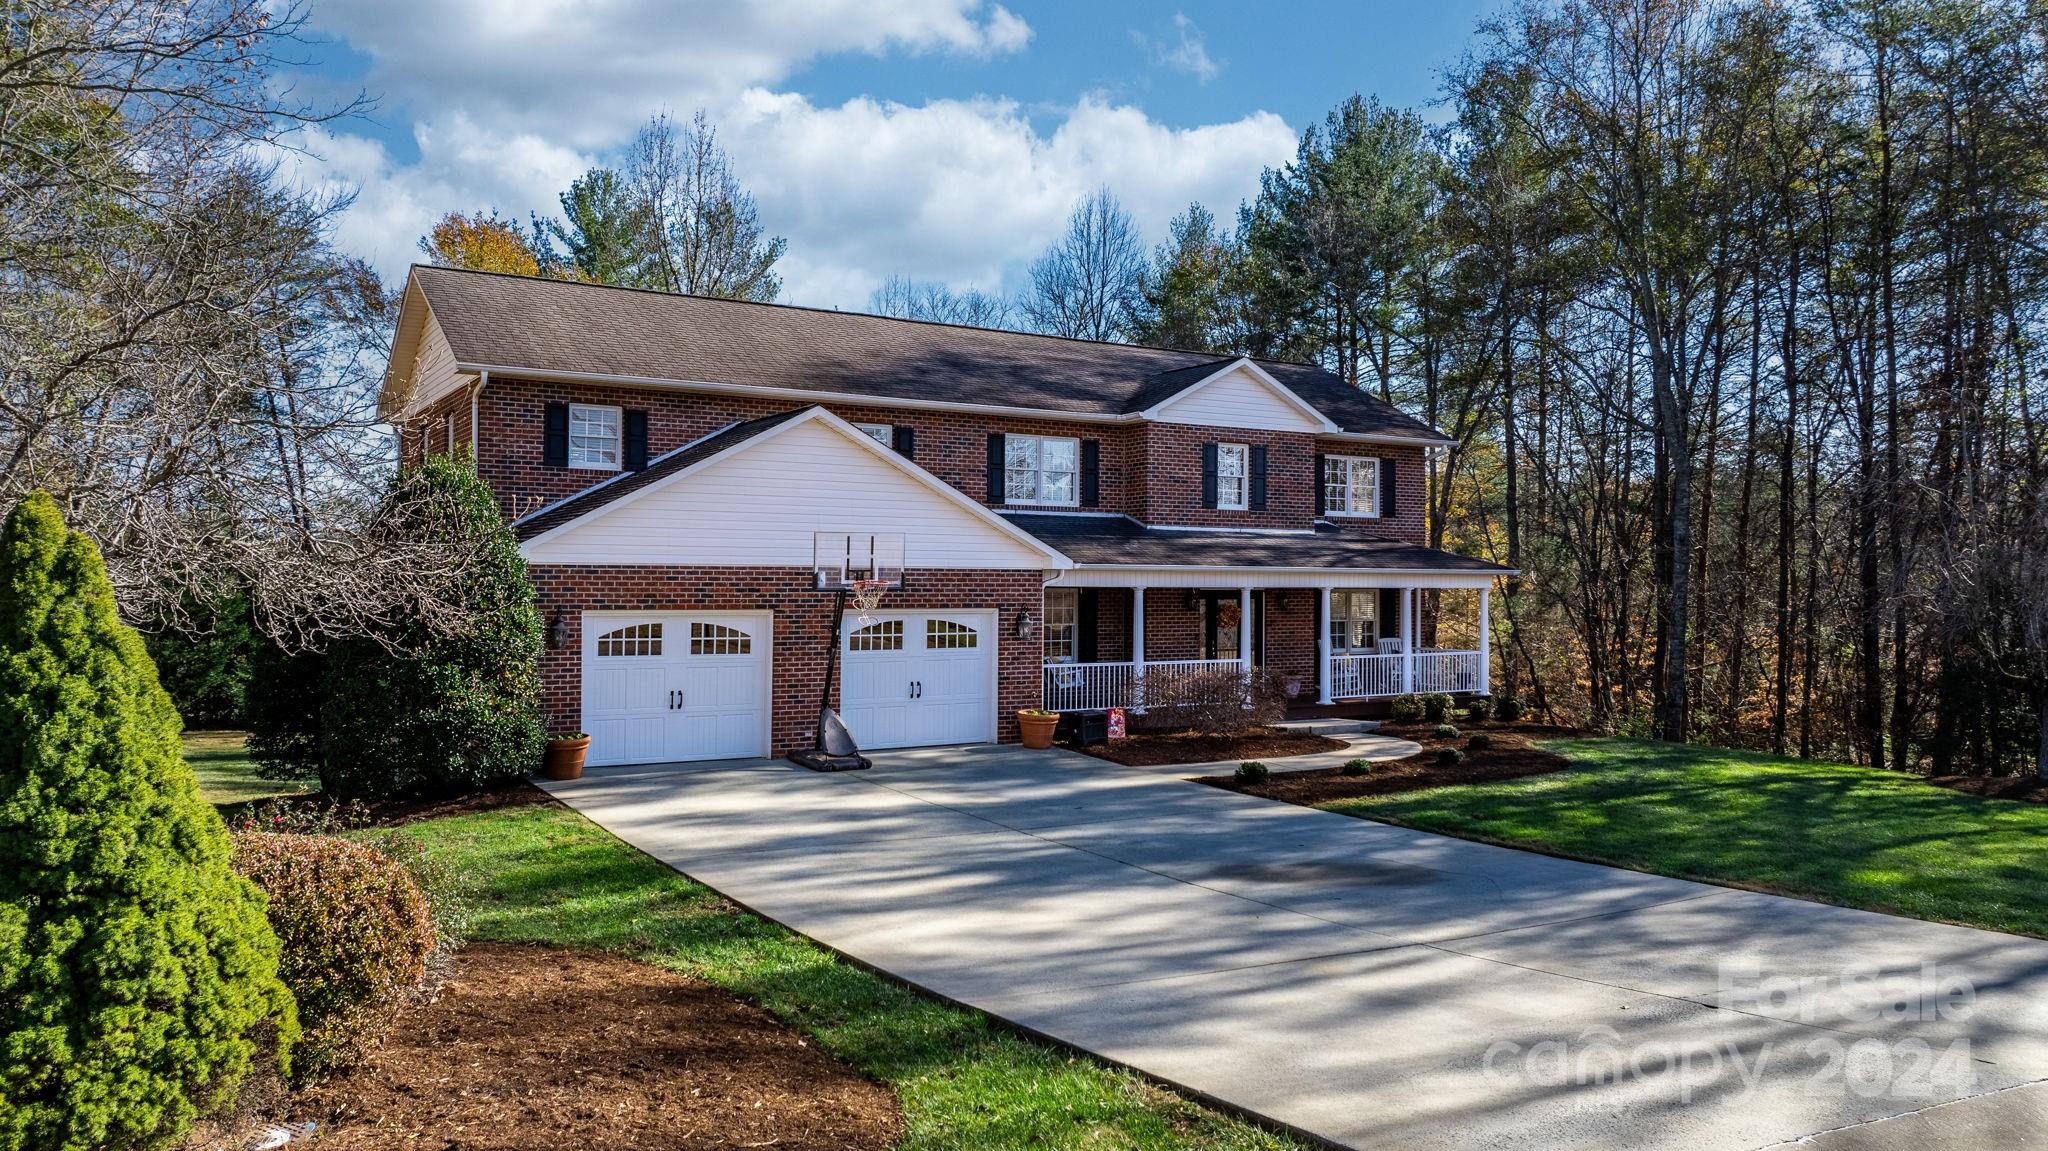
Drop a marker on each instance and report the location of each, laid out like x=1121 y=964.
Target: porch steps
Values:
x=1335 y=726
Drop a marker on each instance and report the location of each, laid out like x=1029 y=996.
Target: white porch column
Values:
x=1137 y=649
x=1411 y=634
x=1323 y=644
x=1244 y=629
x=1485 y=640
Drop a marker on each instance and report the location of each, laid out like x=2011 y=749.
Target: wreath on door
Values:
x=1227 y=613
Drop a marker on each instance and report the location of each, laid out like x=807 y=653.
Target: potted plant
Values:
x=566 y=750
x=1038 y=726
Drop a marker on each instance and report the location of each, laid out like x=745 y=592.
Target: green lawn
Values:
x=544 y=874
x=221 y=761
x=1854 y=836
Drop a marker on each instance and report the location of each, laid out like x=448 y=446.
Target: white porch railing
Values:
x=1359 y=676
x=1097 y=686
x=1450 y=672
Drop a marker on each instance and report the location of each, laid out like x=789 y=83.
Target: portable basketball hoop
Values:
x=859 y=569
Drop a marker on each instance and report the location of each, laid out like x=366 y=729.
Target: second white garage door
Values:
x=918 y=678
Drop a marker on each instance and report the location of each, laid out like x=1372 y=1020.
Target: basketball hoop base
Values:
x=819 y=761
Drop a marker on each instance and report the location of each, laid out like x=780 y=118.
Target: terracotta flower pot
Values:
x=1038 y=727
x=565 y=758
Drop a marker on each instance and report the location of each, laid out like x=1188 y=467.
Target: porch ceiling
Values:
x=1338 y=552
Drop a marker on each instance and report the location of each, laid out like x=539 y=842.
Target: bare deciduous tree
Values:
x=702 y=229
x=1087 y=284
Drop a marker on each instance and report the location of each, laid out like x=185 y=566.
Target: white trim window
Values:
x=594 y=437
x=883 y=434
x=1351 y=486
x=1233 y=477
x=1042 y=470
x=1062 y=625
x=1354 y=622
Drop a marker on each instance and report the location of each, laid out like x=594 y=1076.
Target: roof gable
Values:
x=1239 y=394
x=754 y=495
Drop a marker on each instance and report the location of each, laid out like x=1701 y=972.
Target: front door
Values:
x=1224 y=633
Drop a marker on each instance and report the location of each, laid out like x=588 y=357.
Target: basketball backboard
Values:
x=842 y=557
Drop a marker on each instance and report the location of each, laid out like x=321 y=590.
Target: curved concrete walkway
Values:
x=1372 y=986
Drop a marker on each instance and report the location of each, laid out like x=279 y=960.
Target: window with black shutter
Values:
x=906 y=441
x=1091 y=473
x=636 y=440
x=1209 y=476
x=995 y=467
x=1258 y=497
x=1387 y=505
x=554 y=444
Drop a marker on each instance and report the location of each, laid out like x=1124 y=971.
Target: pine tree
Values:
x=417 y=713
x=136 y=970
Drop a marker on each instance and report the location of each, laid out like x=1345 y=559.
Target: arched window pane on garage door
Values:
x=944 y=633
x=639 y=639
x=718 y=639
x=884 y=636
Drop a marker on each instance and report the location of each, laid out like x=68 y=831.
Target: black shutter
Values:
x=635 y=453
x=1387 y=504
x=554 y=444
x=1087 y=621
x=1390 y=612
x=1091 y=473
x=1208 y=475
x=905 y=438
x=995 y=467
x=1258 y=497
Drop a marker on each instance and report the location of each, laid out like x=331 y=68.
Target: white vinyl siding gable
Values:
x=761 y=505
x=1237 y=399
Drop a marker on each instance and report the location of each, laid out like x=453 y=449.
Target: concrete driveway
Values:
x=1361 y=983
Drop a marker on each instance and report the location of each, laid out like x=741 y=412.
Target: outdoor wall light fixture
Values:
x=558 y=630
x=1027 y=624
x=1280 y=601
x=1193 y=599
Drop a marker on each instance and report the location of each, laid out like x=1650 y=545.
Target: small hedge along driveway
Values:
x=1372 y=985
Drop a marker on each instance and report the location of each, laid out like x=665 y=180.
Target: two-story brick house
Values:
x=1073 y=518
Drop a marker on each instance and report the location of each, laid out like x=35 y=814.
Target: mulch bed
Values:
x=1153 y=749
x=2024 y=788
x=1511 y=756
x=317 y=812
x=537 y=1049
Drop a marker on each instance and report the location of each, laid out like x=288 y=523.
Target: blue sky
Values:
x=943 y=139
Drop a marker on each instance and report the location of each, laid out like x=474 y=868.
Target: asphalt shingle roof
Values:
x=514 y=322
x=1116 y=540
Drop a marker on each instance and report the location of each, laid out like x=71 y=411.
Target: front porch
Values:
x=1334 y=642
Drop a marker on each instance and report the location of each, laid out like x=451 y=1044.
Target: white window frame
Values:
x=1233 y=489
x=883 y=434
x=581 y=455
x=1348 y=489
x=1062 y=625
x=1345 y=625
x=1036 y=476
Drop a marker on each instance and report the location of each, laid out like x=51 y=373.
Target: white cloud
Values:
x=964 y=191
x=1186 y=51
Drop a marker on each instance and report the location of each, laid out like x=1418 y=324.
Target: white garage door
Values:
x=918 y=678
x=665 y=686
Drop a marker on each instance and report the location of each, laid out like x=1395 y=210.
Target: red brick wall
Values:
x=1410 y=491
x=953 y=446
x=803 y=627
x=1173 y=479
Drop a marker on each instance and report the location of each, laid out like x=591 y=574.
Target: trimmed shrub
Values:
x=427 y=714
x=1405 y=709
x=356 y=929
x=1358 y=767
x=1436 y=706
x=1252 y=771
x=138 y=980
x=1479 y=741
x=1507 y=709
x=1476 y=711
x=1449 y=756
x=1446 y=731
x=1210 y=701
